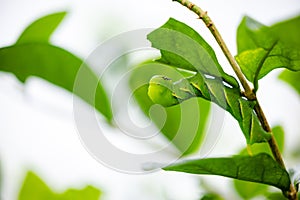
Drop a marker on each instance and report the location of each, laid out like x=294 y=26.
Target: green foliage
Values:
x=183 y=47
x=41 y=29
x=211 y=196
x=36 y=189
x=292 y=78
x=258 y=148
x=239 y=167
x=262 y=49
x=248 y=190
x=214 y=90
x=191 y=52
x=32 y=55
x=184 y=125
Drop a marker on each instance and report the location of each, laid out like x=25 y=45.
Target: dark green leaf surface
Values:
x=56 y=66
x=34 y=188
x=33 y=56
x=260 y=168
x=183 y=47
x=184 y=124
x=41 y=29
x=262 y=49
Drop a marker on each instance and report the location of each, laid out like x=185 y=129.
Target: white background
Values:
x=37 y=130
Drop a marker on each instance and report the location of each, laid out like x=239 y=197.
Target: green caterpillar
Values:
x=162 y=90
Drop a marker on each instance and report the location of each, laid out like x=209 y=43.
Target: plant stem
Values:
x=249 y=93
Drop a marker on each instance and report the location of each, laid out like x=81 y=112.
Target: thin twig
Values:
x=292 y=193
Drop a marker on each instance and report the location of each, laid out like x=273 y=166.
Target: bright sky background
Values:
x=37 y=129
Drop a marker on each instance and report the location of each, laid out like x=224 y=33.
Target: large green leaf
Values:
x=183 y=47
x=187 y=121
x=261 y=168
x=41 y=29
x=56 y=66
x=262 y=49
x=34 y=188
x=33 y=56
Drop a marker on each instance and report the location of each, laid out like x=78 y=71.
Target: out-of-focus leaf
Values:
x=187 y=121
x=56 y=66
x=182 y=47
x=279 y=136
x=239 y=167
x=88 y=193
x=34 y=188
x=248 y=190
x=211 y=196
x=261 y=49
x=41 y=29
x=292 y=78
x=33 y=56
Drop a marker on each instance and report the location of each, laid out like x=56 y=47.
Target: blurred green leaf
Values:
x=183 y=47
x=261 y=168
x=87 y=193
x=261 y=49
x=33 y=56
x=211 y=196
x=56 y=66
x=292 y=78
x=41 y=29
x=34 y=188
x=187 y=121
x=248 y=190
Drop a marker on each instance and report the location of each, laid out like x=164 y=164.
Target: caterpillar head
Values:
x=160 y=91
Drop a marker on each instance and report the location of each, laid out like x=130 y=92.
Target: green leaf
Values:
x=183 y=47
x=34 y=188
x=187 y=121
x=56 y=66
x=33 y=56
x=261 y=49
x=88 y=193
x=211 y=196
x=260 y=168
x=292 y=78
x=41 y=29
x=248 y=190
x=276 y=196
